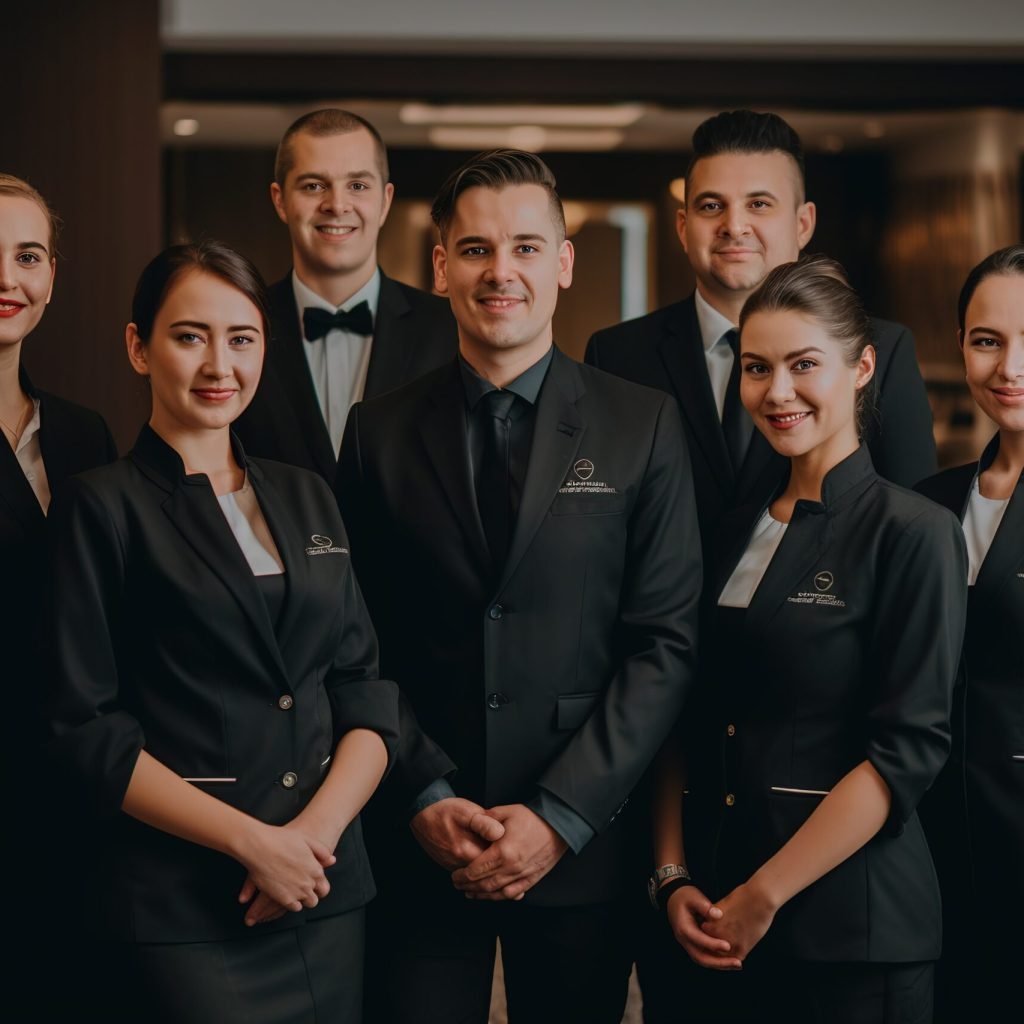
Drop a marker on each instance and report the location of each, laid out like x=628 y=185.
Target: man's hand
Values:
x=688 y=908
x=529 y=849
x=455 y=831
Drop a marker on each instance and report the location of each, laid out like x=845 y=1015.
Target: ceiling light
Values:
x=186 y=126
x=619 y=115
x=530 y=137
x=874 y=129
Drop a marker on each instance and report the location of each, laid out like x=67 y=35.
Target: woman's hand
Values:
x=688 y=909
x=746 y=915
x=286 y=867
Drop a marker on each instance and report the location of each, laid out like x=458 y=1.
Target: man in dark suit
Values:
x=342 y=330
x=746 y=213
x=524 y=530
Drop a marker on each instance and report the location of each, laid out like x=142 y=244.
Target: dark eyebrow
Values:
x=324 y=176
x=789 y=355
x=33 y=245
x=480 y=240
x=761 y=193
x=206 y=327
x=985 y=330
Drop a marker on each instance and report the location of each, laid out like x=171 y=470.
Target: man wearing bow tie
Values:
x=342 y=330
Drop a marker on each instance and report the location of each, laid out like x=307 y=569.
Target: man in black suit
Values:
x=342 y=330
x=746 y=213
x=524 y=530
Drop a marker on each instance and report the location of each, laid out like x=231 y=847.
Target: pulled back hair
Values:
x=321 y=123
x=1003 y=262
x=12 y=186
x=207 y=256
x=816 y=286
x=496 y=169
x=746 y=131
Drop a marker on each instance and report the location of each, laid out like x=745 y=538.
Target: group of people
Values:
x=651 y=659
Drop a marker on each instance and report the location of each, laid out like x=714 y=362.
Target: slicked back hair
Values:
x=320 y=123
x=1003 y=261
x=496 y=169
x=746 y=131
x=816 y=286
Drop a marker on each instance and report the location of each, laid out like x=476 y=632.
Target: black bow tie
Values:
x=317 y=322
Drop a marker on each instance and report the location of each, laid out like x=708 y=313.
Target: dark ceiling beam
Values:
x=818 y=84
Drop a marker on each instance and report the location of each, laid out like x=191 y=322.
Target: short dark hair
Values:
x=329 y=121
x=21 y=189
x=1003 y=261
x=207 y=256
x=746 y=131
x=817 y=286
x=496 y=169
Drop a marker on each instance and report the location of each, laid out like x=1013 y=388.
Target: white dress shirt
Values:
x=338 y=362
x=980 y=525
x=717 y=353
x=30 y=457
x=747 y=576
x=245 y=517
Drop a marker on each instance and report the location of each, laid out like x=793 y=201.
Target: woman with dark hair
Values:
x=822 y=715
x=975 y=815
x=216 y=694
x=45 y=440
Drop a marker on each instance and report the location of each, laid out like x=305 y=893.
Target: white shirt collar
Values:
x=305 y=296
x=713 y=326
x=31 y=429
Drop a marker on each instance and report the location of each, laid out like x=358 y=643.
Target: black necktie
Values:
x=317 y=322
x=493 y=493
x=737 y=426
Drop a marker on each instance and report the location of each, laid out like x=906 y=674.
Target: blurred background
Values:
x=146 y=122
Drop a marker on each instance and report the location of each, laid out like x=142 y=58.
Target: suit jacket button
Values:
x=285 y=702
x=495 y=612
x=730 y=730
x=496 y=700
x=289 y=779
x=730 y=799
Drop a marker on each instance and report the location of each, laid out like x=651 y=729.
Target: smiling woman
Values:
x=217 y=695
x=823 y=713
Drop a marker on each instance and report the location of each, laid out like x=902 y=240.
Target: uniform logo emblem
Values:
x=584 y=469
x=324 y=546
x=824 y=580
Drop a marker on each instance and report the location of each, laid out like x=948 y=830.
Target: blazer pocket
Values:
x=207 y=779
x=589 y=505
x=574 y=709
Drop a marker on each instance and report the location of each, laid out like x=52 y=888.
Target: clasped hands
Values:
x=495 y=854
x=720 y=935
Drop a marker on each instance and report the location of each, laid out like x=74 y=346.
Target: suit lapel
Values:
x=1005 y=558
x=682 y=352
x=391 y=350
x=16 y=492
x=557 y=433
x=288 y=362
x=443 y=430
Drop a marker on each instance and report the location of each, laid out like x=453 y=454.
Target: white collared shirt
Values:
x=981 y=522
x=747 y=576
x=30 y=457
x=339 y=361
x=717 y=353
x=245 y=517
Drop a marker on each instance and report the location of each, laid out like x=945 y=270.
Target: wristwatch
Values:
x=658 y=892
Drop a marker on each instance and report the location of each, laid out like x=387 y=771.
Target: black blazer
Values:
x=162 y=640
x=975 y=816
x=72 y=440
x=664 y=350
x=847 y=652
x=569 y=673
x=414 y=332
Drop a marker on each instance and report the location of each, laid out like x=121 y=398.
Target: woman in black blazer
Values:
x=975 y=815
x=45 y=441
x=834 y=629
x=216 y=698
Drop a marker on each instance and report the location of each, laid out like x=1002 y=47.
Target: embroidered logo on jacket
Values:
x=823 y=582
x=324 y=546
x=582 y=482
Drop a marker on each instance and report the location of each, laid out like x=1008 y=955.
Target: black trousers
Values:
x=305 y=974
x=772 y=989
x=433 y=962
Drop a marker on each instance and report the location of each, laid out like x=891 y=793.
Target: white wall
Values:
x=599 y=24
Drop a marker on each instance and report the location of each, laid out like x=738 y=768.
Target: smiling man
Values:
x=745 y=213
x=342 y=330
x=524 y=531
